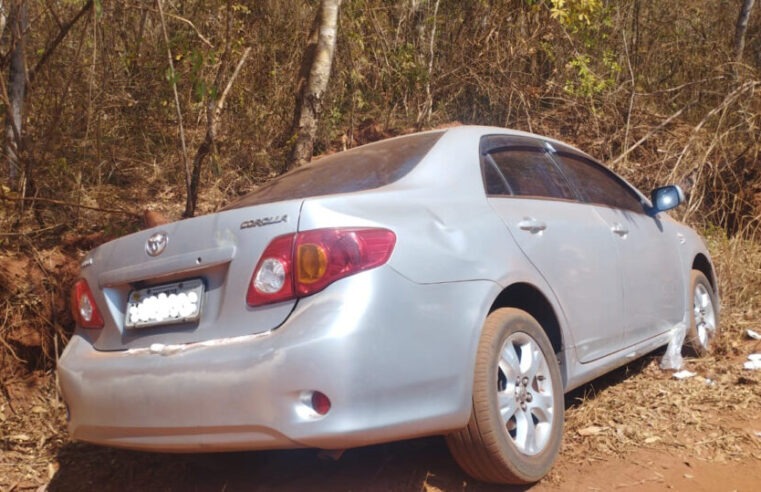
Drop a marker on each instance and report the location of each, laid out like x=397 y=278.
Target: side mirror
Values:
x=666 y=198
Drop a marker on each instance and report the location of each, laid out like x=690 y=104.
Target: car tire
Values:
x=704 y=320
x=523 y=385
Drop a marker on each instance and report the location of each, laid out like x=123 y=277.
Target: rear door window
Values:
x=521 y=166
x=531 y=173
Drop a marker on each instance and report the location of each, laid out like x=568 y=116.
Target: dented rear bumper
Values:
x=392 y=371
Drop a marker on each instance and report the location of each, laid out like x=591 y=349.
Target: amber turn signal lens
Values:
x=312 y=263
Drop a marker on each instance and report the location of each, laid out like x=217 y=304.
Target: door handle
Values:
x=532 y=225
x=619 y=230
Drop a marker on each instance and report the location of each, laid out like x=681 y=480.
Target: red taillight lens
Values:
x=272 y=280
x=297 y=265
x=83 y=306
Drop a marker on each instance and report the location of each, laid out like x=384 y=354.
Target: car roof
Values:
x=447 y=160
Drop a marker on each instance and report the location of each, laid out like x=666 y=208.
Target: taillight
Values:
x=83 y=306
x=300 y=264
x=272 y=280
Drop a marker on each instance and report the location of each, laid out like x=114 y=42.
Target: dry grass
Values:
x=32 y=423
x=709 y=416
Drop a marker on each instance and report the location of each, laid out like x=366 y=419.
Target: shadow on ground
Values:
x=420 y=464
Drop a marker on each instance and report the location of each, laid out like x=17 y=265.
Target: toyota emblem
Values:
x=156 y=244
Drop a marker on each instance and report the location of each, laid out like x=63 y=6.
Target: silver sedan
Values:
x=453 y=282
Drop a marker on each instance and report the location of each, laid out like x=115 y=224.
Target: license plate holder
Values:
x=166 y=304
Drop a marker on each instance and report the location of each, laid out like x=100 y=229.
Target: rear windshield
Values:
x=363 y=168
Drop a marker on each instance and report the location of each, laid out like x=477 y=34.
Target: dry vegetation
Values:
x=653 y=90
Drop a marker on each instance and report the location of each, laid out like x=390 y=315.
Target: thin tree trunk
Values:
x=16 y=91
x=19 y=77
x=741 y=28
x=173 y=75
x=319 y=57
x=424 y=115
x=3 y=17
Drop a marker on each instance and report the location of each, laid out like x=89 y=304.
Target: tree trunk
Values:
x=424 y=114
x=3 y=17
x=318 y=56
x=741 y=28
x=19 y=23
x=19 y=76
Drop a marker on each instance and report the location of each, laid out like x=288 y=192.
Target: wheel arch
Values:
x=530 y=299
x=703 y=264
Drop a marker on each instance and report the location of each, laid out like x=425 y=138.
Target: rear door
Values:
x=566 y=240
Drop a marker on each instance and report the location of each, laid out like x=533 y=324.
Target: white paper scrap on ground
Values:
x=684 y=374
x=754 y=334
x=754 y=362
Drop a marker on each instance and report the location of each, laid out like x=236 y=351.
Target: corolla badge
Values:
x=156 y=244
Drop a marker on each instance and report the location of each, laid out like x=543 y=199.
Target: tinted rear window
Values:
x=363 y=168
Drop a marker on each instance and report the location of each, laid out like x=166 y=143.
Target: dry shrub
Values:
x=738 y=264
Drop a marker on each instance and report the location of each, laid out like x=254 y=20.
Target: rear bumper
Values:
x=391 y=369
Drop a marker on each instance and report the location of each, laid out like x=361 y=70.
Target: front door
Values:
x=650 y=264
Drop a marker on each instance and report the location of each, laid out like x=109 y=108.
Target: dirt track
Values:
x=422 y=465
x=412 y=465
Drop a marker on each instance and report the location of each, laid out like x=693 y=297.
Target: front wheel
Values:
x=704 y=322
x=516 y=424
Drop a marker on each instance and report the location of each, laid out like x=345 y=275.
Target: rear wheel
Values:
x=516 y=424
x=704 y=323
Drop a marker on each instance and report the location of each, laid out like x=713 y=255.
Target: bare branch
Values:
x=221 y=100
x=51 y=47
x=161 y=12
x=207 y=146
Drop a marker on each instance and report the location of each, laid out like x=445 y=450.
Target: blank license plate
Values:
x=179 y=302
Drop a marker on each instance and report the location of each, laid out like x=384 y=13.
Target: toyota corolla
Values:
x=453 y=282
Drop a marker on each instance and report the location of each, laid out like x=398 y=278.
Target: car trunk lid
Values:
x=209 y=259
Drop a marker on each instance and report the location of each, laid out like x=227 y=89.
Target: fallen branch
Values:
x=34 y=232
x=73 y=205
